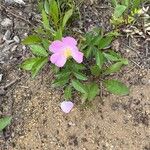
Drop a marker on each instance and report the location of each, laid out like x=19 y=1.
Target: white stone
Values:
x=6 y=22
x=7 y=35
x=16 y=39
x=1 y=76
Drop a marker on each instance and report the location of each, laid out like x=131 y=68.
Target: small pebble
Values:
x=14 y=48
x=15 y=1
x=71 y=124
x=16 y=39
x=7 y=35
x=6 y=22
x=1 y=76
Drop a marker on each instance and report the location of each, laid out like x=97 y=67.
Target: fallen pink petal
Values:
x=66 y=106
x=64 y=49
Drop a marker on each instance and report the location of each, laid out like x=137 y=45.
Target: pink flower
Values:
x=64 y=49
x=66 y=106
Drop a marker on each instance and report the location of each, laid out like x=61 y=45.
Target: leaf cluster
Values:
x=123 y=11
x=100 y=60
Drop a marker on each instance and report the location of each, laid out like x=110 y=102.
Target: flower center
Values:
x=67 y=52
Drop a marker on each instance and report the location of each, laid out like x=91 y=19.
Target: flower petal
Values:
x=56 y=46
x=58 y=59
x=69 y=40
x=77 y=56
x=66 y=106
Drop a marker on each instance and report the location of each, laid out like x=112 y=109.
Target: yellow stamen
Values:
x=67 y=52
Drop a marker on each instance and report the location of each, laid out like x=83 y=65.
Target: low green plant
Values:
x=99 y=62
x=125 y=11
x=5 y=121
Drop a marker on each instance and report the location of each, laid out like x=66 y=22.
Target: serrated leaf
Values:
x=80 y=76
x=68 y=92
x=38 y=66
x=79 y=67
x=60 y=82
x=111 y=57
x=46 y=43
x=64 y=73
x=4 y=122
x=95 y=70
x=94 y=90
x=88 y=51
x=99 y=59
x=79 y=86
x=38 y=50
x=67 y=15
x=105 y=42
x=114 y=68
x=45 y=20
x=28 y=63
x=96 y=40
x=119 y=10
x=31 y=39
x=116 y=87
x=54 y=11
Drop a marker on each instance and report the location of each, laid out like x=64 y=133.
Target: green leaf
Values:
x=116 y=87
x=96 y=40
x=45 y=43
x=31 y=39
x=54 y=11
x=114 y=68
x=78 y=67
x=93 y=91
x=136 y=4
x=67 y=15
x=95 y=70
x=114 y=2
x=38 y=50
x=45 y=20
x=68 y=92
x=5 y=122
x=119 y=10
x=88 y=51
x=38 y=66
x=111 y=57
x=46 y=6
x=99 y=59
x=126 y=3
x=79 y=86
x=58 y=34
x=28 y=63
x=60 y=82
x=80 y=76
x=105 y=42
x=84 y=97
x=64 y=73
x=124 y=61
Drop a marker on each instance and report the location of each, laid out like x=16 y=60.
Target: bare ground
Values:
x=111 y=123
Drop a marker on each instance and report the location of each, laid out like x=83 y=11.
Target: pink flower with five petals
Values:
x=64 y=49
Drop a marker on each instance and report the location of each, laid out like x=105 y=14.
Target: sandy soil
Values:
x=111 y=123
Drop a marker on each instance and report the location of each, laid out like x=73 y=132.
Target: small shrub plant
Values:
x=74 y=59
